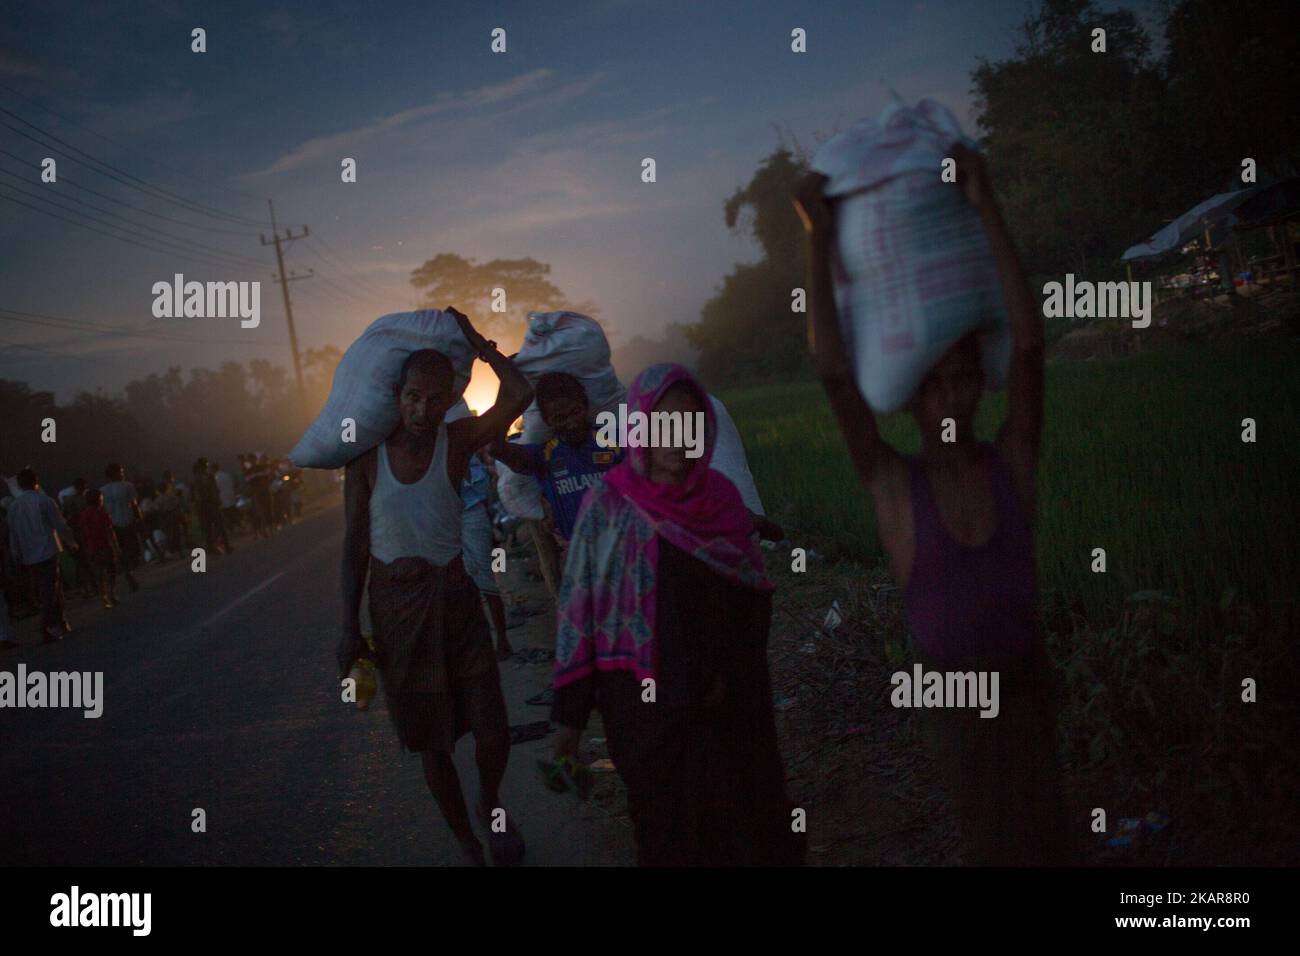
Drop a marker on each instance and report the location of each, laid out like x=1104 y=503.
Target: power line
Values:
x=142 y=184
x=128 y=241
x=355 y=297
x=125 y=146
x=335 y=298
x=39 y=194
x=83 y=325
x=65 y=181
x=363 y=284
x=54 y=354
x=139 y=184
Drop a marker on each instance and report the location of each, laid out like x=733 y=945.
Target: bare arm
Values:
x=356 y=559
x=875 y=461
x=514 y=457
x=514 y=396
x=1021 y=433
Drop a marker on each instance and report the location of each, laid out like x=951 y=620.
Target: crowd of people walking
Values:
x=82 y=539
x=664 y=604
x=663 y=601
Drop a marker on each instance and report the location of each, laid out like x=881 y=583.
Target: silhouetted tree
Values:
x=449 y=279
x=748 y=330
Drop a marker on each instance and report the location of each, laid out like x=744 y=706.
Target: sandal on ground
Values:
x=522 y=733
x=544 y=699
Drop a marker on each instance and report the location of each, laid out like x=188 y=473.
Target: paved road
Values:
x=220 y=692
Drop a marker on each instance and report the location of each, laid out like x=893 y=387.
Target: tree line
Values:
x=1091 y=152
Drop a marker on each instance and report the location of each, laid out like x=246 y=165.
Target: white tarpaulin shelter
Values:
x=1190 y=225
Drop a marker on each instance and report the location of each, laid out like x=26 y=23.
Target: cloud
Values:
x=561 y=176
x=475 y=100
x=595 y=135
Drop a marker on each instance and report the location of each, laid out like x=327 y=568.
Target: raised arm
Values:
x=514 y=396
x=356 y=559
x=879 y=467
x=1021 y=433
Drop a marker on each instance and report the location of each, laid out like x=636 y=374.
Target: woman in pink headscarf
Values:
x=663 y=620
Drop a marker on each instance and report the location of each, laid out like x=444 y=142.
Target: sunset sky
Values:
x=535 y=152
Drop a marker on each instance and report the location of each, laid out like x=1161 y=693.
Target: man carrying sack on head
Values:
x=435 y=655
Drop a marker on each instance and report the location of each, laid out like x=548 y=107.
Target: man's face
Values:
x=568 y=418
x=424 y=399
x=951 y=390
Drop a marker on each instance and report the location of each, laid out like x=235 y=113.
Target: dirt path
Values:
x=560 y=831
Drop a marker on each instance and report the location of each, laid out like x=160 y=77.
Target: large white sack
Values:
x=912 y=265
x=520 y=495
x=558 y=342
x=569 y=342
x=729 y=458
x=363 y=384
x=573 y=343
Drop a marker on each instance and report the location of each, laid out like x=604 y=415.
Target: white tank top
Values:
x=420 y=520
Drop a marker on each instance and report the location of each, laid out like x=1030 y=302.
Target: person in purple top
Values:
x=572 y=461
x=957 y=525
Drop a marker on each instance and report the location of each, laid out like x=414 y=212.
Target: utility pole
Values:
x=284 y=281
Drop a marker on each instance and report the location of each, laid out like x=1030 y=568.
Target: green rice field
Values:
x=1143 y=456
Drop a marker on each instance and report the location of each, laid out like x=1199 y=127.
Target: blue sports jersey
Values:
x=565 y=474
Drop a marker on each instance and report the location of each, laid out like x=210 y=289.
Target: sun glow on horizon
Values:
x=482 y=390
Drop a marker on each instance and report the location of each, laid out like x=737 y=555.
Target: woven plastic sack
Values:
x=363 y=384
x=558 y=342
x=911 y=263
